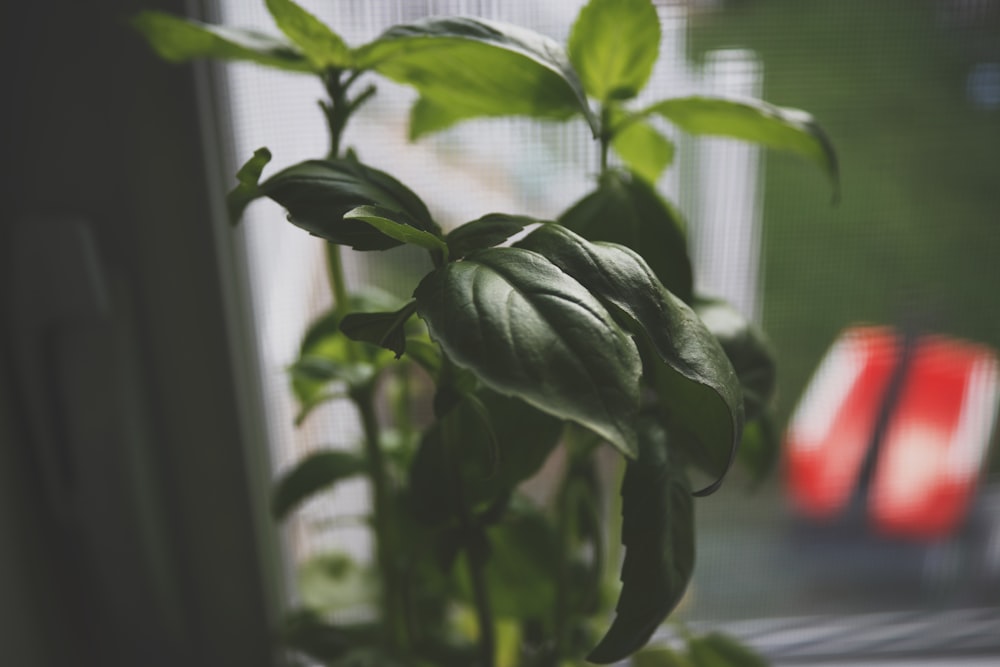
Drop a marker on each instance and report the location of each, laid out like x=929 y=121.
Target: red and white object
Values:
x=935 y=440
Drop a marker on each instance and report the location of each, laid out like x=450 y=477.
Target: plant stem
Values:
x=335 y=274
x=385 y=546
x=565 y=518
x=475 y=551
x=614 y=525
x=336 y=110
x=605 y=137
x=339 y=108
x=578 y=521
x=484 y=611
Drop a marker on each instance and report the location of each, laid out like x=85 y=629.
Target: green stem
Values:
x=339 y=109
x=614 y=526
x=335 y=274
x=561 y=620
x=335 y=110
x=577 y=483
x=385 y=546
x=484 y=611
x=475 y=551
x=605 y=137
x=402 y=402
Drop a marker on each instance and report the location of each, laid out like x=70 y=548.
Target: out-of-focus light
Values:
x=924 y=445
x=982 y=86
x=832 y=426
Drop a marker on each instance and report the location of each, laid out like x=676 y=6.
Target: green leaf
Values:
x=644 y=150
x=774 y=127
x=760 y=449
x=323 y=47
x=383 y=329
x=426 y=354
x=318 y=193
x=718 y=650
x=304 y=630
x=526 y=438
x=628 y=211
x=523 y=565
x=332 y=582
x=486 y=232
x=398 y=226
x=659 y=657
x=356 y=645
x=329 y=362
x=428 y=117
x=311 y=386
x=178 y=40
x=467 y=67
x=324 y=337
x=312 y=474
x=697 y=386
x=658 y=534
x=248 y=188
x=527 y=329
x=748 y=350
x=614 y=45
x=323 y=370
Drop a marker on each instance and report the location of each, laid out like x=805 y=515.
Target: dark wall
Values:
x=129 y=466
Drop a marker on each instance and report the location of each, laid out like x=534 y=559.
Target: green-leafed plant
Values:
x=581 y=331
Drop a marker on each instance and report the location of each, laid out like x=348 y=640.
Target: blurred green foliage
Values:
x=915 y=237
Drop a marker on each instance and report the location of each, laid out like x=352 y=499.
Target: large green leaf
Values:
x=178 y=40
x=753 y=360
x=747 y=349
x=644 y=150
x=775 y=127
x=468 y=67
x=486 y=232
x=318 y=193
x=323 y=47
x=628 y=211
x=658 y=534
x=312 y=474
x=525 y=436
x=428 y=117
x=614 y=45
x=527 y=329
x=697 y=386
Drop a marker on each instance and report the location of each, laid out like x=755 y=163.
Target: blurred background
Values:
x=144 y=404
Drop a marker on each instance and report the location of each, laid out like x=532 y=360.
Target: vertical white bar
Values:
x=726 y=237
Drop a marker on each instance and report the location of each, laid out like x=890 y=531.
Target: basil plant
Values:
x=532 y=335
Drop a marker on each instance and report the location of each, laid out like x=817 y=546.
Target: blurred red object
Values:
x=904 y=432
